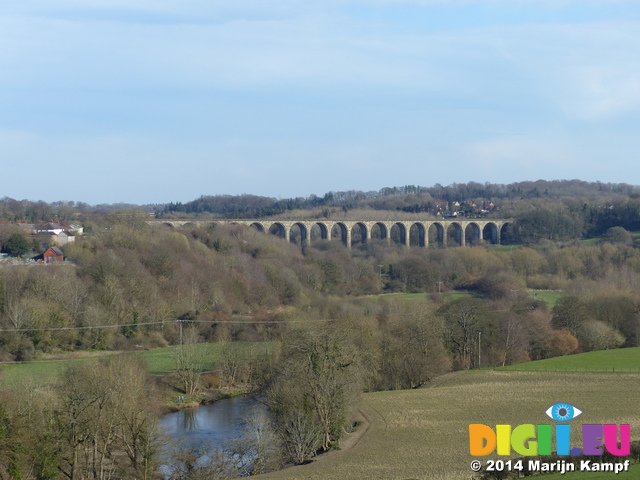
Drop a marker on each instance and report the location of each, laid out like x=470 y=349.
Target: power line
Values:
x=234 y=322
x=52 y=329
x=260 y=322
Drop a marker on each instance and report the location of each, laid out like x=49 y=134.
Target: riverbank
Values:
x=214 y=426
x=174 y=400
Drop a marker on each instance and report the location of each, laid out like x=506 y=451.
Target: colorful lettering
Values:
x=531 y=440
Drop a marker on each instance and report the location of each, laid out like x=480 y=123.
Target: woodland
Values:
x=328 y=312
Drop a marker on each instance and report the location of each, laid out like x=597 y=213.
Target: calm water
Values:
x=213 y=423
x=206 y=428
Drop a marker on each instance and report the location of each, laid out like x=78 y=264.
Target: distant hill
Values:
x=409 y=198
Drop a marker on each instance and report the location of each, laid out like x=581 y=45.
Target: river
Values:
x=205 y=429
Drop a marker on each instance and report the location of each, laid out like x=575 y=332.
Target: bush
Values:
x=618 y=235
x=211 y=380
x=597 y=335
x=17 y=245
x=154 y=340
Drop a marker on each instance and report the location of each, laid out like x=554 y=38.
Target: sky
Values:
x=153 y=101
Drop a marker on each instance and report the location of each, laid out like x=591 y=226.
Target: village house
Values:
x=52 y=228
x=52 y=255
x=64 y=238
x=49 y=234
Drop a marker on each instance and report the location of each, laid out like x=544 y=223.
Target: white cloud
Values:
x=238 y=53
x=483 y=100
x=592 y=71
x=588 y=69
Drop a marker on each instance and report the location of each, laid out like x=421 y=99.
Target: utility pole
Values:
x=479 y=357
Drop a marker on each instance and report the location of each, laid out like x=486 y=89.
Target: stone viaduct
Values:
x=406 y=232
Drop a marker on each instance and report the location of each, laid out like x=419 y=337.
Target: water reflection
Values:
x=203 y=432
x=187 y=422
x=218 y=421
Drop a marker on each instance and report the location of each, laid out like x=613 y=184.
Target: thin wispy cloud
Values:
x=486 y=85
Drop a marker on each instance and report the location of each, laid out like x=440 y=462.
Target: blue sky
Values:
x=147 y=101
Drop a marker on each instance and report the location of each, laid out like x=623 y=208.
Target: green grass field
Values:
x=598 y=239
x=590 y=241
x=420 y=297
x=549 y=297
x=160 y=361
x=39 y=372
x=618 y=360
x=403 y=297
x=423 y=434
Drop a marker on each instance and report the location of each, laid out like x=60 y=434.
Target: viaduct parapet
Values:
x=406 y=232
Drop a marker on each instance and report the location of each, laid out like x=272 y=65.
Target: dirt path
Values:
x=364 y=416
x=349 y=440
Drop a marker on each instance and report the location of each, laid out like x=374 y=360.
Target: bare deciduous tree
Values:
x=191 y=358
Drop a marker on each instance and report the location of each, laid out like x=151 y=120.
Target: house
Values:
x=48 y=234
x=52 y=228
x=53 y=254
x=43 y=239
x=27 y=228
x=77 y=229
x=63 y=238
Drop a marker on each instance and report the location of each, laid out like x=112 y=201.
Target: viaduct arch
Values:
x=406 y=232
